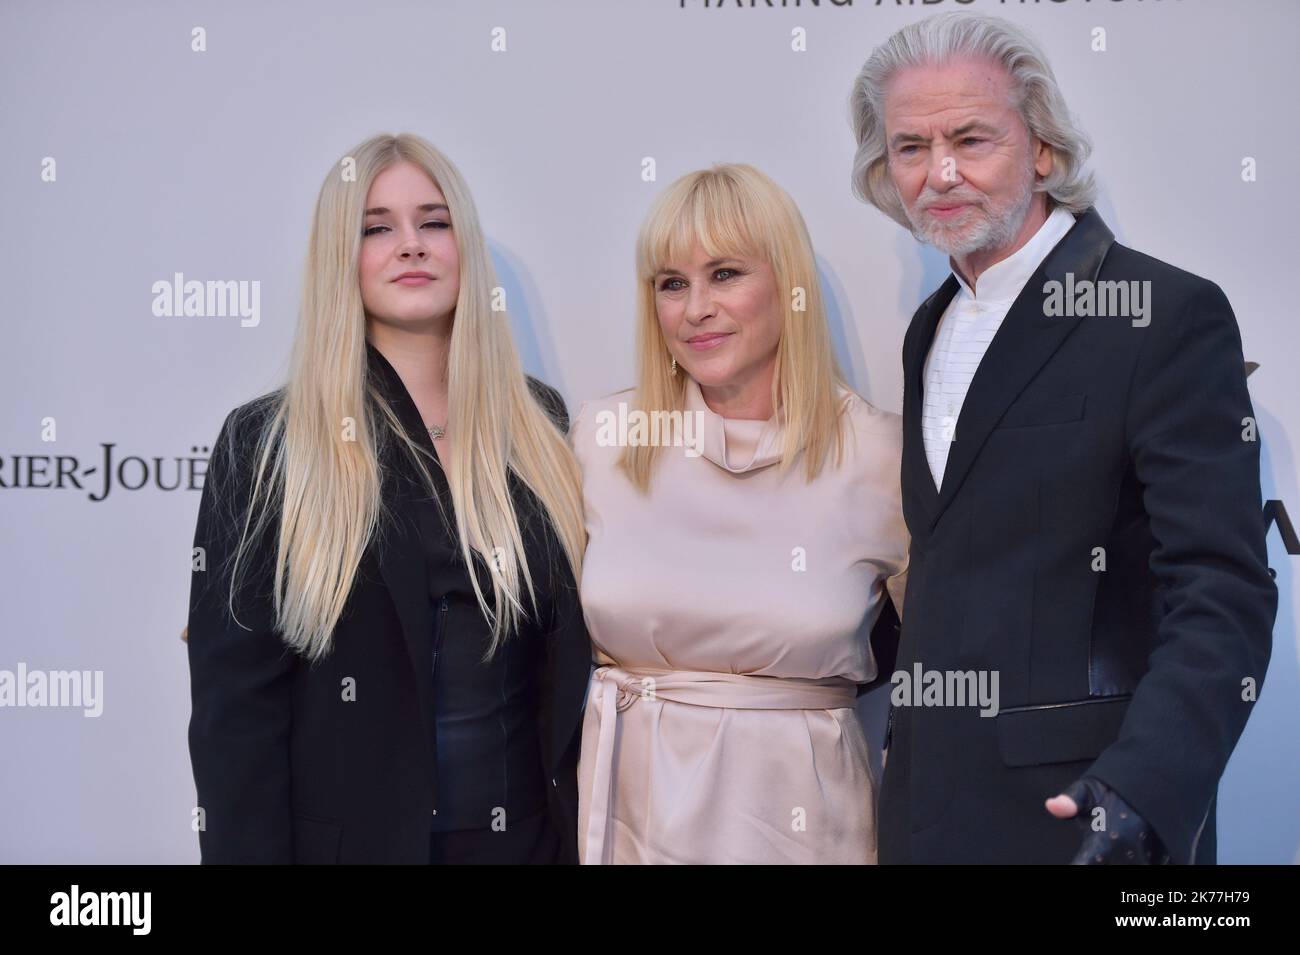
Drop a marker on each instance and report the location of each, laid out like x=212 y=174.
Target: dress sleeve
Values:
x=578 y=428
x=896 y=586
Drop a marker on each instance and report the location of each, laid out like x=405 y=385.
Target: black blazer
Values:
x=286 y=769
x=1079 y=433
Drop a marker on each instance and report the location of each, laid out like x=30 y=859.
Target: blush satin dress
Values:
x=730 y=611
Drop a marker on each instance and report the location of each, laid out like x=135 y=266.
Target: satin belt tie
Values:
x=615 y=688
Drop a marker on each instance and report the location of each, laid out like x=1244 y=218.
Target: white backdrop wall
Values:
x=168 y=160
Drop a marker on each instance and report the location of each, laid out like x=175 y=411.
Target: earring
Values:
x=673 y=370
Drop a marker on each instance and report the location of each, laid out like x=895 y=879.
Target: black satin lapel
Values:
x=1022 y=345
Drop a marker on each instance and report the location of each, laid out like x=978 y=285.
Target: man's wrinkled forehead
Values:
x=944 y=98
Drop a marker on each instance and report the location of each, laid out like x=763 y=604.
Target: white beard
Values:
x=983 y=227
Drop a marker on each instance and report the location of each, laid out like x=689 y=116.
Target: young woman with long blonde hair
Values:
x=387 y=656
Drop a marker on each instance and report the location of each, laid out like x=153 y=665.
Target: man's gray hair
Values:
x=936 y=40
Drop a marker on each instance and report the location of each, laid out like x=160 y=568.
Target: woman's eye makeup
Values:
x=374 y=229
x=724 y=275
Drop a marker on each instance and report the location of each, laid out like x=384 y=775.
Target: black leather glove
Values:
x=1127 y=839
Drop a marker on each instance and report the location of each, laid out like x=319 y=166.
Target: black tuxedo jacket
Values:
x=287 y=769
x=1081 y=433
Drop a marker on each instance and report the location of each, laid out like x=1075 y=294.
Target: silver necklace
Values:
x=437 y=431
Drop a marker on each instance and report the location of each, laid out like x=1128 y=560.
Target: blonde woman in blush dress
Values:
x=735 y=569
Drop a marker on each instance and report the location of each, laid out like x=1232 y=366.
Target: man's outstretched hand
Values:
x=1121 y=837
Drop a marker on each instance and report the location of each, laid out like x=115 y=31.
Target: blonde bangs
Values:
x=734 y=209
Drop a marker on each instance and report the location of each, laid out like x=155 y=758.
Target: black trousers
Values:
x=528 y=841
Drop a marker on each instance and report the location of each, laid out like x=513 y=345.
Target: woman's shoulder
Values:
x=590 y=436
x=610 y=401
x=230 y=459
x=866 y=419
x=551 y=400
x=593 y=409
x=245 y=422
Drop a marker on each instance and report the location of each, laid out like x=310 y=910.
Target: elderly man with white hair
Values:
x=1080 y=479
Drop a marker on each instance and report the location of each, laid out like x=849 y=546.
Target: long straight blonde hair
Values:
x=734 y=209
x=318 y=450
